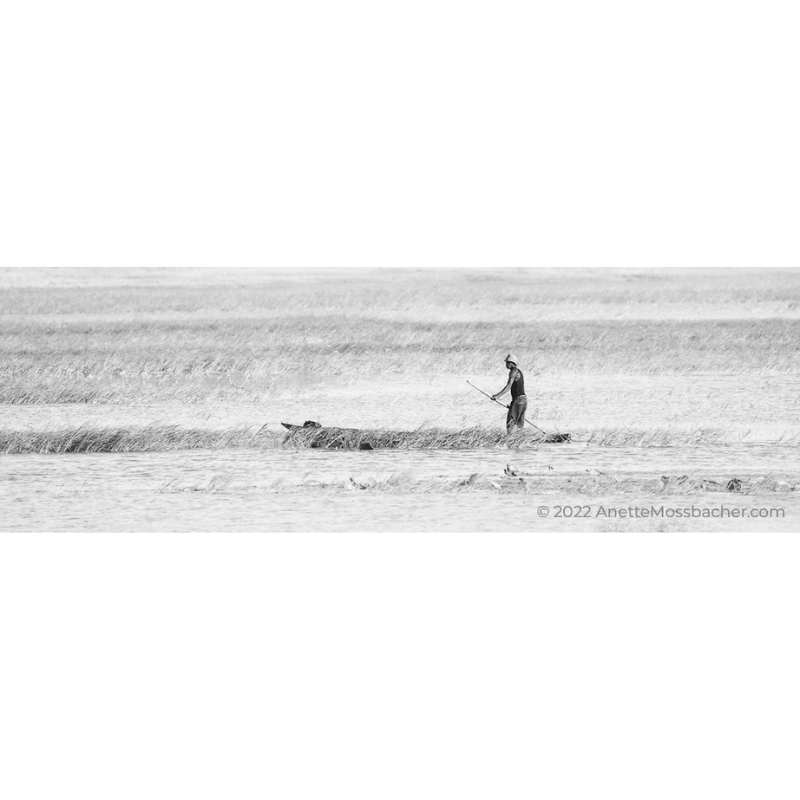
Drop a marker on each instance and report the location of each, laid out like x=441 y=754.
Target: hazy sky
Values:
x=386 y=134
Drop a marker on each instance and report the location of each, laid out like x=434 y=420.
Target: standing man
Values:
x=519 y=402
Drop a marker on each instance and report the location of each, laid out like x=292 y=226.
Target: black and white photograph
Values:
x=399 y=400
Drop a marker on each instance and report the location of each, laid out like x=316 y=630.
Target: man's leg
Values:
x=521 y=404
x=510 y=417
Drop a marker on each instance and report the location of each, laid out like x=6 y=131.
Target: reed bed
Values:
x=150 y=439
x=163 y=438
x=200 y=343
x=158 y=438
x=257 y=364
x=251 y=354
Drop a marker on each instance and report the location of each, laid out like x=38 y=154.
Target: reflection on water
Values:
x=127 y=491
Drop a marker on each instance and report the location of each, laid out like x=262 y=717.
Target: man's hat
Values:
x=512 y=358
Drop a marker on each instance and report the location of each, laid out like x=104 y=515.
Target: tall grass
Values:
x=158 y=438
x=252 y=359
x=200 y=343
x=154 y=438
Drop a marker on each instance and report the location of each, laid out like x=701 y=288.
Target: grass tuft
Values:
x=149 y=439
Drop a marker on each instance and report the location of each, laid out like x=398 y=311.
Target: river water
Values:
x=289 y=489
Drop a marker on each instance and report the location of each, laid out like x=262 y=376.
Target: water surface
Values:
x=285 y=489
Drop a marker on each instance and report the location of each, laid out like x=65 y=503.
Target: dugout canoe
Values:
x=312 y=434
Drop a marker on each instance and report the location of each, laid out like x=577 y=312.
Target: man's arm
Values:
x=511 y=378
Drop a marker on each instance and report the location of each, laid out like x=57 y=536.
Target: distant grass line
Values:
x=400 y=290
x=163 y=438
